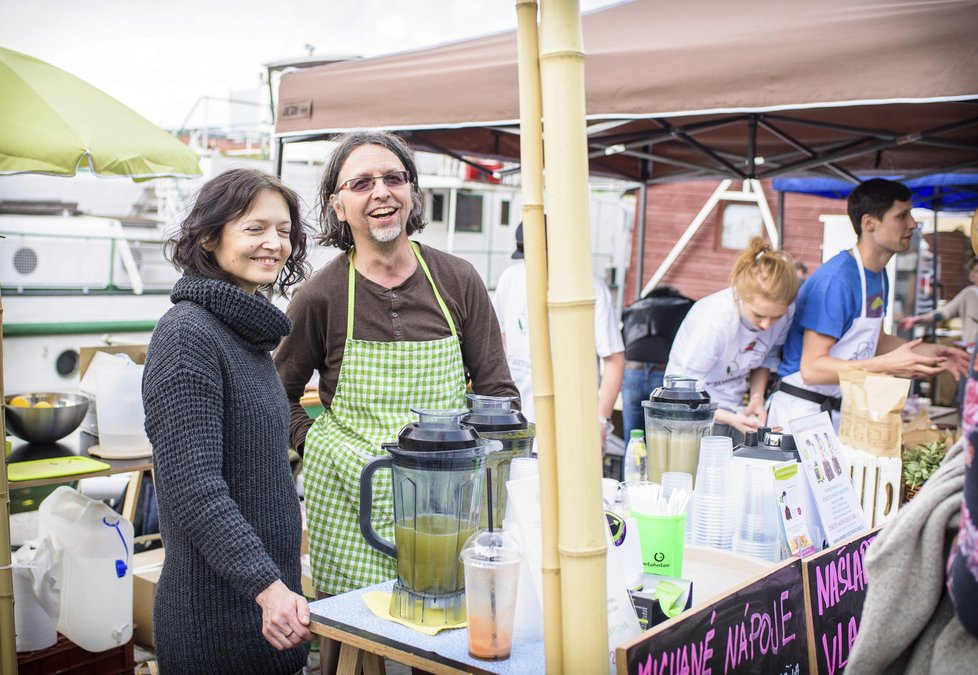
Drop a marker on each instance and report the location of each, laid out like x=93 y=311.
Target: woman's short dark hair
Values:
x=221 y=200
x=336 y=232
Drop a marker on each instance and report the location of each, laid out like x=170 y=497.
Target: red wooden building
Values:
x=704 y=265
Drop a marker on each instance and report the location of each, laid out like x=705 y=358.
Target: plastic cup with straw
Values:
x=491 y=561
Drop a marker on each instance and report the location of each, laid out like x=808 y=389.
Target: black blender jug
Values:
x=495 y=420
x=438 y=472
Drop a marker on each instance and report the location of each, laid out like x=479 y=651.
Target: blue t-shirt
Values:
x=829 y=302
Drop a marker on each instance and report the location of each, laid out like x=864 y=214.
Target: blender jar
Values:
x=495 y=420
x=438 y=475
x=677 y=415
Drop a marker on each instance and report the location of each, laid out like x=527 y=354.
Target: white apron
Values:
x=857 y=343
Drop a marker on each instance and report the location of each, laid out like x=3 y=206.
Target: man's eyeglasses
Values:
x=366 y=183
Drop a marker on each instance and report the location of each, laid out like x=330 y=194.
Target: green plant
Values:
x=920 y=463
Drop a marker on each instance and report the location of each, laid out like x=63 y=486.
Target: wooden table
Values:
x=367 y=641
x=74 y=444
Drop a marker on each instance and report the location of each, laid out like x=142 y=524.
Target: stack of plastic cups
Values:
x=528 y=622
x=757 y=531
x=680 y=480
x=711 y=497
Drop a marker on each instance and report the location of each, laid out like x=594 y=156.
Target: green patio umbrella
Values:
x=51 y=122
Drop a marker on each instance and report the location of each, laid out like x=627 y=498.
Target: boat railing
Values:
x=108 y=259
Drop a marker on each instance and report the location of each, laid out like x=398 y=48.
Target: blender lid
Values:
x=438 y=430
x=776 y=439
x=494 y=413
x=761 y=443
x=678 y=389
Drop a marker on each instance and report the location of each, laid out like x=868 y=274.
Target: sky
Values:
x=160 y=58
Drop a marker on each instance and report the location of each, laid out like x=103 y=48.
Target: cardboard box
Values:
x=145 y=575
x=307 y=588
x=136 y=352
x=647 y=606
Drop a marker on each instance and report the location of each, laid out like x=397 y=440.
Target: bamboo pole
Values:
x=8 y=644
x=571 y=301
x=535 y=256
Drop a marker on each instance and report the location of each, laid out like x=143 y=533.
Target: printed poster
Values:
x=835 y=497
x=792 y=508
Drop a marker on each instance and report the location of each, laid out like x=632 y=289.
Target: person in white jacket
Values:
x=731 y=340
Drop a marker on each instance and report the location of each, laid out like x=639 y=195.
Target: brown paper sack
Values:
x=871 y=406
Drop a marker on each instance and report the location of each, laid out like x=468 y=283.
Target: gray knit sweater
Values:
x=218 y=419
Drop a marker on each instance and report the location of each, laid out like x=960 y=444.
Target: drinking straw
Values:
x=492 y=545
x=489 y=495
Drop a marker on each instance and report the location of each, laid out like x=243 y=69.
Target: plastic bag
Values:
x=33 y=621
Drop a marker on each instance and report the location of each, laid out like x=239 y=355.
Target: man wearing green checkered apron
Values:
x=390 y=326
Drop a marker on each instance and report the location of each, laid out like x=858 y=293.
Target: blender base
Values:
x=425 y=609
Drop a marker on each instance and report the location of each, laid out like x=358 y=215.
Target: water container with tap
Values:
x=94 y=575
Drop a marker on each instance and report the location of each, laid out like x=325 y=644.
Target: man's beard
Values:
x=386 y=235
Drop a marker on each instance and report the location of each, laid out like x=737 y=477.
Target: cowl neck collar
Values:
x=256 y=320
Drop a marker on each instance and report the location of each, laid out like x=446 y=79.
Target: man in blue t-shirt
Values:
x=839 y=313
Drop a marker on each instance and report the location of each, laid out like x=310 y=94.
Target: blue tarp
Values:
x=957 y=192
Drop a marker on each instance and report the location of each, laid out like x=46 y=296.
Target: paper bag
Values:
x=871 y=407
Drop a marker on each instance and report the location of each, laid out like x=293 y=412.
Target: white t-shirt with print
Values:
x=718 y=347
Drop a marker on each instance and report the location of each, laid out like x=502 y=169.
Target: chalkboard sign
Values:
x=758 y=627
x=835 y=590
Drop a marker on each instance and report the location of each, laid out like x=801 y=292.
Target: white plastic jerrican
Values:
x=92 y=572
x=119 y=406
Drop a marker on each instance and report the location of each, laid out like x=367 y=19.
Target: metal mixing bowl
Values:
x=46 y=425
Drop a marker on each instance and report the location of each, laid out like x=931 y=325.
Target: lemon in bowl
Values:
x=47 y=416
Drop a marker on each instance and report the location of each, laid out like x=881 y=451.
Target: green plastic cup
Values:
x=662 y=541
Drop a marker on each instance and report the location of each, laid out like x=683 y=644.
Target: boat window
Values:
x=468 y=213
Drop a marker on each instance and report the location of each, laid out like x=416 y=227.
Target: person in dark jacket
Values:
x=649 y=326
x=229 y=596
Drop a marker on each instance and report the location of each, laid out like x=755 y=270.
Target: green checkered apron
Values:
x=379 y=383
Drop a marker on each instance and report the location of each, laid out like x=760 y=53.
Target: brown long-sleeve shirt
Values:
x=406 y=312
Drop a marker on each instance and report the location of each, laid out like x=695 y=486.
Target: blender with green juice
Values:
x=677 y=415
x=495 y=420
x=438 y=475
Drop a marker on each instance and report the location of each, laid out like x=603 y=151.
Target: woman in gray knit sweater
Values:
x=229 y=596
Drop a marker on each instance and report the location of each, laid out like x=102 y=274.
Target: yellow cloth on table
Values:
x=379 y=603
